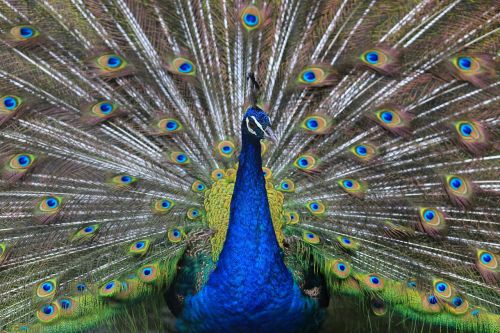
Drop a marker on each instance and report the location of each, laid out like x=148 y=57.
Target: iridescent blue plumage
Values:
x=251 y=290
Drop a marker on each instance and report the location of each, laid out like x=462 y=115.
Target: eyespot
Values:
x=292 y=217
x=431 y=216
x=46 y=289
x=218 y=174
x=267 y=173
x=456 y=184
x=81 y=287
x=50 y=204
x=469 y=131
x=347 y=243
x=316 y=124
x=193 y=213
x=183 y=66
x=467 y=64
x=168 y=126
x=86 y=233
x=376 y=58
x=316 y=207
x=442 y=289
x=123 y=180
x=175 y=235
x=110 y=288
x=374 y=282
x=24 y=33
x=179 y=158
x=226 y=148
x=364 y=152
x=103 y=109
x=198 y=187
x=140 y=247
x=305 y=162
x=10 y=104
x=111 y=62
x=352 y=186
x=340 y=268
x=458 y=305
x=313 y=76
x=149 y=273
x=310 y=237
x=21 y=162
x=286 y=185
x=162 y=206
x=411 y=284
x=389 y=118
x=251 y=18
x=48 y=312
x=487 y=259
x=67 y=306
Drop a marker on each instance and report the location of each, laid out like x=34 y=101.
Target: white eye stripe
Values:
x=257 y=123
x=249 y=129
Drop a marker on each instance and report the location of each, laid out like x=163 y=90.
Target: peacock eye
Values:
x=371 y=57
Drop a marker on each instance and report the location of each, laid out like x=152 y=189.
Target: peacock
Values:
x=249 y=166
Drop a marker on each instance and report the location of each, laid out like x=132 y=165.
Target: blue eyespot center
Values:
x=147 y=271
x=48 y=310
x=387 y=116
x=106 y=108
x=309 y=76
x=465 y=63
x=10 y=102
x=114 y=61
x=200 y=187
x=139 y=245
x=441 y=287
x=81 y=287
x=26 y=32
x=185 y=67
x=314 y=206
x=348 y=183
x=372 y=57
x=285 y=186
x=88 y=229
x=51 y=202
x=341 y=267
x=310 y=235
x=126 y=179
x=432 y=299
x=486 y=258
x=251 y=20
x=23 y=160
x=455 y=183
x=457 y=301
x=429 y=215
x=227 y=149
x=346 y=240
x=303 y=162
x=412 y=284
x=47 y=287
x=181 y=158
x=65 y=304
x=171 y=125
x=374 y=280
x=110 y=285
x=466 y=129
x=361 y=150
x=176 y=233
x=475 y=312
x=165 y=204
x=312 y=124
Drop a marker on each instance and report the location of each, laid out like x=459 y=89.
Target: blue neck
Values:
x=251 y=289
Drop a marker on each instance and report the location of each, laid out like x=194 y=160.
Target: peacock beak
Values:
x=269 y=134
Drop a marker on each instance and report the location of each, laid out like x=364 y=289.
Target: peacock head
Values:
x=256 y=125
